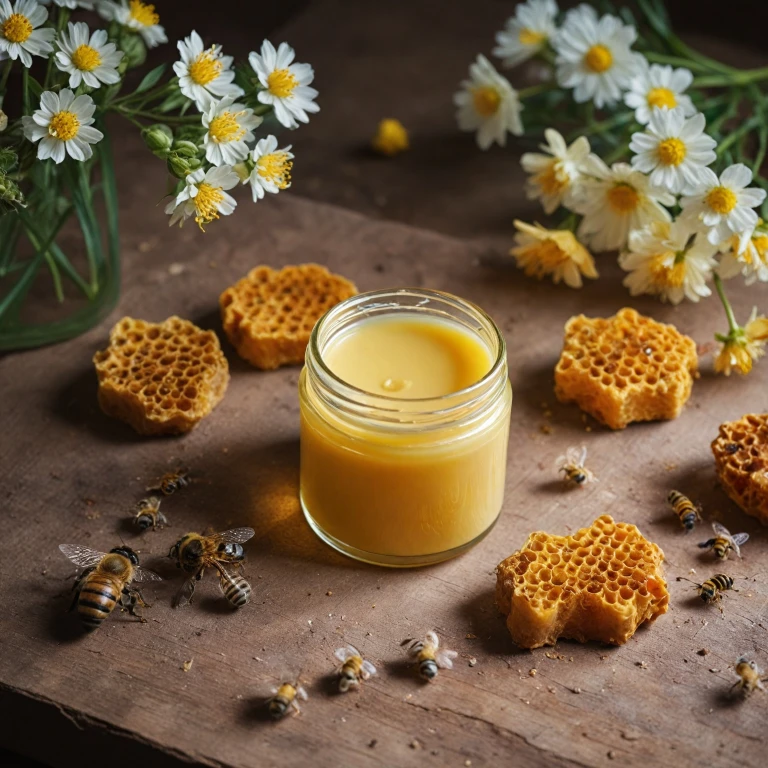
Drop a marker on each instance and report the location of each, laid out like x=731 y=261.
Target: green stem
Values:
x=4 y=79
x=170 y=119
x=744 y=77
x=733 y=326
x=533 y=90
x=604 y=125
x=676 y=61
x=151 y=95
x=25 y=91
x=733 y=137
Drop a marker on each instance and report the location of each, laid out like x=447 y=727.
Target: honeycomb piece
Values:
x=601 y=584
x=741 y=463
x=269 y=315
x=161 y=378
x=625 y=368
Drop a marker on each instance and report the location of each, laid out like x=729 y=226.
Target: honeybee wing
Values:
x=238 y=535
x=368 y=669
x=721 y=530
x=184 y=595
x=445 y=659
x=576 y=455
x=301 y=693
x=433 y=639
x=273 y=690
x=737 y=540
x=84 y=557
x=144 y=574
x=342 y=654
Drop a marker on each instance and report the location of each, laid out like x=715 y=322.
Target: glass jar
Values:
x=403 y=482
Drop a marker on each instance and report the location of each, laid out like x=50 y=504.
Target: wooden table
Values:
x=72 y=475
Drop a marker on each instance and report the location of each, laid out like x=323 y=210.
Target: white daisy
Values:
x=674 y=150
x=748 y=256
x=63 y=125
x=668 y=260
x=88 y=59
x=527 y=32
x=229 y=128
x=594 y=56
x=137 y=16
x=556 y=174
x=205 y=75
x=86 y=5
x=272 y=168
x=615 y=201
x=723 y=206
x=286 y=84
x=21 y=33
x=659 y=87
x=488 y=104
x=204 y=197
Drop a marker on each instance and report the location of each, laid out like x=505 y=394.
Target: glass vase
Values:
x=59 y=255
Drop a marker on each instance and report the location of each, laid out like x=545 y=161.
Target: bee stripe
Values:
x=91 y=591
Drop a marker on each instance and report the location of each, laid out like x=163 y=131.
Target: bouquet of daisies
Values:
x=202 y=121
x=660 y=160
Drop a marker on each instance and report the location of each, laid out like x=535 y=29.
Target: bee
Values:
x=711 y=591
x=106 y=581
x=194 y=553
x=171 y=482
x=429 y=655
x=572 y=463
x=723 y=542
x=749 y=676
x=353 y=668
x=687 y=512
x=285 y=697
x=148 y=514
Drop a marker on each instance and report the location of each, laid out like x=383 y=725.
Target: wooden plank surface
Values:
x=72 y=474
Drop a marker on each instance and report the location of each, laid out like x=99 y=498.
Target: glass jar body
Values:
x=402 y=482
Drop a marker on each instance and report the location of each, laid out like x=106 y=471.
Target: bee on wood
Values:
x=171 y=482
x=749 y=676
x=687 y=512
x=353 y=668
x=106 y=581
x=148 y=514
x=723 y=542
x=572 y=463
x=429 y=655
x=194 y=553
x=712 y=590
x=286 y=697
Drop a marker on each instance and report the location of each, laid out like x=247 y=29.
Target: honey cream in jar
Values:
x=405 y=406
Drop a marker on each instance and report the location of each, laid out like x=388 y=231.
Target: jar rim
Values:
x=441 y=406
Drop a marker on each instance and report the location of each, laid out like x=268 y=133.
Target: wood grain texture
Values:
x=72 y=475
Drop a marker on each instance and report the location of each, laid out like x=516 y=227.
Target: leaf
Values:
x=174 y=101
x=151 y=78
x=35 y=87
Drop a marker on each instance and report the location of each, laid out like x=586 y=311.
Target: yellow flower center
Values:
x=486 y=100
x=64 y=126
x=391 y=137
x=531 y=36
x=661 y=97
x=86 y=58
x=16 y=28
x=548 y=180
x=205 y=68
x=761 y=246
x=276 y=167
x=144 y=14
x=281 y=83
x=665 y=276
x=671 y=151
x=623 y=198
x=598 y=58
x=225 y=128
x=721 y=200
x=206 y=204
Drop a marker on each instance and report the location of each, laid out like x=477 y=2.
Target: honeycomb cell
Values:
x=144 y=381
x=628 y=387
x=583 y=598
x=741 y=463
x=269 y=314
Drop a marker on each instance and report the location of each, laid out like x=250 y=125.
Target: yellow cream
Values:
x=404 y=430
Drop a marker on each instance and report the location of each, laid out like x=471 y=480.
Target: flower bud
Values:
x=3 y=121
x=178 y=166
x=159 y=138
x=243 y=172
x=133 y=47
x=185 y=148
x=10 y=194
